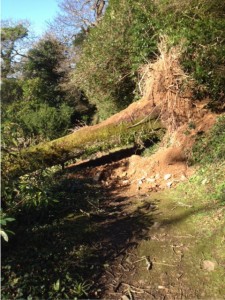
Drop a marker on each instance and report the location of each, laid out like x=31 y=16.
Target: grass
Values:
x=187 y=236
x=192 y=226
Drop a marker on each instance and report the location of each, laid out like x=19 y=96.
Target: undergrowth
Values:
x=207 y=185
x=204 y=196
x=47 y=255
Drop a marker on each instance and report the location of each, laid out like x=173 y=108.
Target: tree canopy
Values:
x=10 y=37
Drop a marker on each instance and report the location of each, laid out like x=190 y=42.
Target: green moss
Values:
x=185 y=237
x=82 y=143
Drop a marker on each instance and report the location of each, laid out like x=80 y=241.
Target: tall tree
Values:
x=76 y=16
x=42 y=70
x=12 y=35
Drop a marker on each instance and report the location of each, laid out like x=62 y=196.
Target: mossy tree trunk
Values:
x=129 y=127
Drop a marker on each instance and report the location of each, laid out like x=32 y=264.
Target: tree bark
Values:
x=137 y=123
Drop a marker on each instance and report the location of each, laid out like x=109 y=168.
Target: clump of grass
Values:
x=210 y=148
x=207 y=185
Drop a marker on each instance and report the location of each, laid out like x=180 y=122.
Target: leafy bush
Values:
x=4 y=219
x=29 y=195
x=37 y=89
x=49 y=122
x=11 y=90
x=199 y=26
x=39 y=119
x=211 y=147
x=209 y=181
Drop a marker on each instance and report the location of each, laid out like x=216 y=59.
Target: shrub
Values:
x=42 y=119
x=211 y=147
x=11 y=90
x=199 y=26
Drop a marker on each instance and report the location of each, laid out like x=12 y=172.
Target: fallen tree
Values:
x=167 y=99
x=132 y=126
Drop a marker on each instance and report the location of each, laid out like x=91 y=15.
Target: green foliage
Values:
x=29 y=192
x=10 y=36
x=210 y=148
x=111 y=55
x=81 y=288
x=43 y=73
x=34 y=190
x=127 y=37
x=199 y=27
x=4 y=219
x=11 y=90
x=46 y=121
x=44 y=60
x=36 y=120
x=52 y=252
x=208 y=184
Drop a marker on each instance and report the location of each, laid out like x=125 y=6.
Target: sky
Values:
x=38 y=12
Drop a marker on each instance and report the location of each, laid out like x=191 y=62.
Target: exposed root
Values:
x=165 y=84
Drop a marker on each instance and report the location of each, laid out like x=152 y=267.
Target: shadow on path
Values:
x=75 y=241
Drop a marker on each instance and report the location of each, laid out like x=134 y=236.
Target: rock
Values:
x=141 y=180
x=124 y=297
x=169 y=184
x=161 y=287
x=204 y=181
x=156 y=225
x=125 y=182
x=208 y=265
x=183 y=177
x=150 y=180
x=157 y=176
x=97 y=176
x=167 y=176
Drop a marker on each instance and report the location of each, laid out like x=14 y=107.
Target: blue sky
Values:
x=36 y=11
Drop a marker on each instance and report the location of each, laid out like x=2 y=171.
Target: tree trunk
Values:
x=134 y=125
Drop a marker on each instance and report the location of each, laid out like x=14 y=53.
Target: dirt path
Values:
x=148 y=243
x=114 y=234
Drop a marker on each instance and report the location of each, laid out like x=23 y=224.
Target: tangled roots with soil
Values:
x=166 y=85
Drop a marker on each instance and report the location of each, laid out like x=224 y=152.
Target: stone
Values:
x=97 y=176
x=157 y=176
x=161 y=287
x=169 y=184
x=183 y=177
x=150 y=180
x=124 y=297
x=167 y=176
x=204 y=181
x=125 y=182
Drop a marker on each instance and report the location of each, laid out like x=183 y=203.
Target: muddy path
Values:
x=114 y=240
